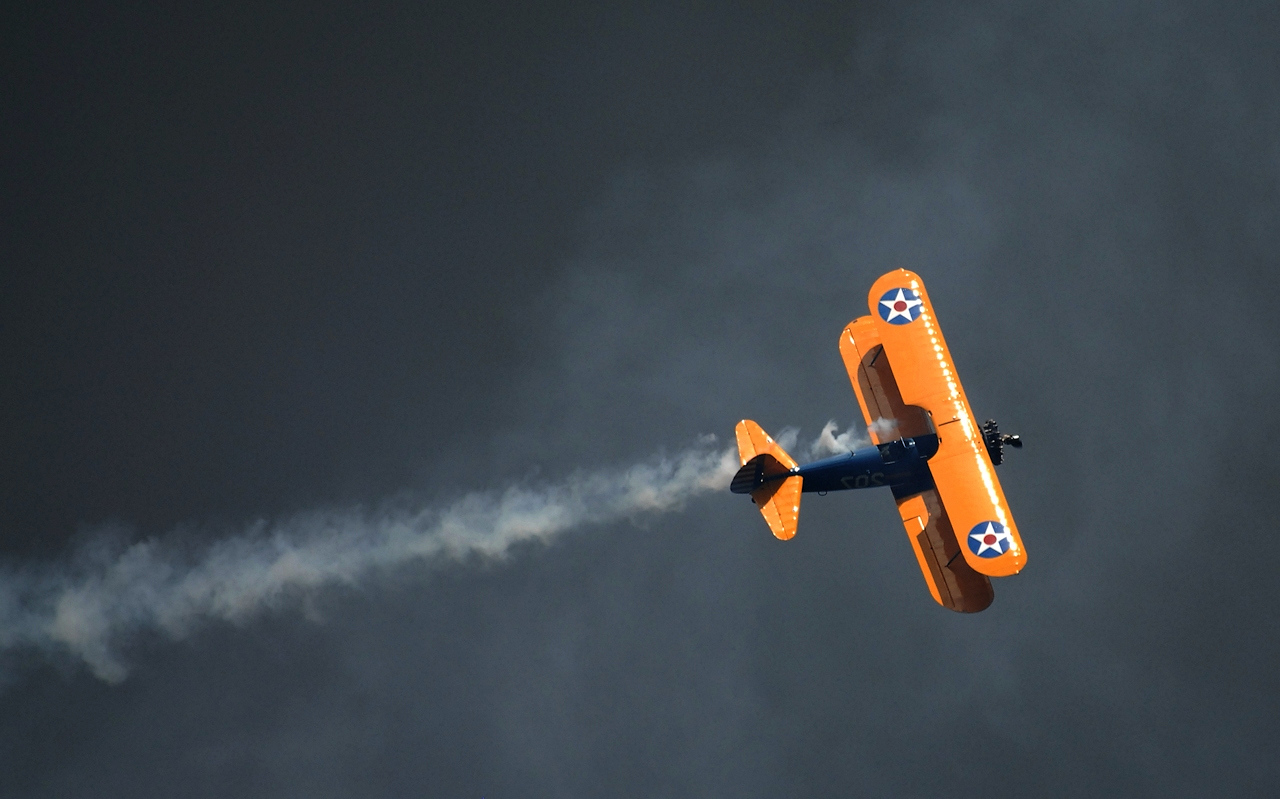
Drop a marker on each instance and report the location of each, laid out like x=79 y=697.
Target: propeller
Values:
x=995 y=441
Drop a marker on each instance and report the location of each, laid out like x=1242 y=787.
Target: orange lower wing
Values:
x=950 y=579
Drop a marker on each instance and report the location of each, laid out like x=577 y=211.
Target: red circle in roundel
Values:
x=989 y=539
x=900 y=306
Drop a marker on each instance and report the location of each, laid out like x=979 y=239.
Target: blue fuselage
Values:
x=901 y=464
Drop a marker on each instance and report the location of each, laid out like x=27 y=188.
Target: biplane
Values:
x=927 y=449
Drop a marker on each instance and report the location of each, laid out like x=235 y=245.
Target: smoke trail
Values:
x=89 y=607
x=828 y=443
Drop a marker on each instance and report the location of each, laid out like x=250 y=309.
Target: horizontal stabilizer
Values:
x=753 y=441
x=764 y=466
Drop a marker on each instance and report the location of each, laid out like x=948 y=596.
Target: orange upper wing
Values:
x=904 y=324
x=949 y=578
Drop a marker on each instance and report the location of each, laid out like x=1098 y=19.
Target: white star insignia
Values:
x=900 y=306
x=989 y=538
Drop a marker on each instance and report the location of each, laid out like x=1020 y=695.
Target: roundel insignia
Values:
x=989 y=540
x=900 y=306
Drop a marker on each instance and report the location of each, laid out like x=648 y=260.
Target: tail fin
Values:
x=764 y=465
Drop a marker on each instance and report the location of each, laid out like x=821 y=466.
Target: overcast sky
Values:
x=259 y=265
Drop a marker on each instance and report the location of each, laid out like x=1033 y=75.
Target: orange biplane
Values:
x=927 y=448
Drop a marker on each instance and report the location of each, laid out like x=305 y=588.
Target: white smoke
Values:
x=828 y=443
x=91 y=606
x=787 y=438
x=884 y=429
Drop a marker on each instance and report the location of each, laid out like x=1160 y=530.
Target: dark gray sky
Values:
x=256 y=264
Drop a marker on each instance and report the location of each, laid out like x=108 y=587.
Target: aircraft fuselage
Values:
x=897 y=463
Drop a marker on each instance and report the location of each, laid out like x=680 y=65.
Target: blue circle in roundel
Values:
x=900 y=306
x=989 y=540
